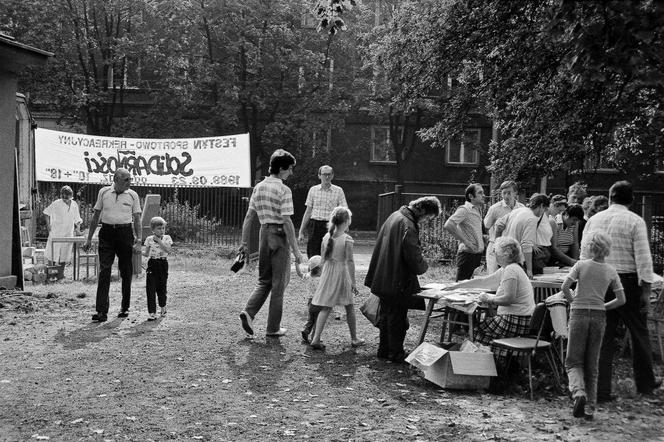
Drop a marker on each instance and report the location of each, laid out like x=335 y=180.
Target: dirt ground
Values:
x=193 y=375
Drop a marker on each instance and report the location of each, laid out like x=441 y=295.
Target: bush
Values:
x=437 y=244
x=185 y=222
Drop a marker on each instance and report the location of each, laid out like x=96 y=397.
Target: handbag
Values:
x=371 y=309
x=238 y=263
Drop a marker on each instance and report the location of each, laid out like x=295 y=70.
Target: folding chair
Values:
x=530 y=345
x=544 y=289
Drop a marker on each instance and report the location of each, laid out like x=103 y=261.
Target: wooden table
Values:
x=433 y=297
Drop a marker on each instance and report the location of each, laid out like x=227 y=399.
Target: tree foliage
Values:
x=563 y=80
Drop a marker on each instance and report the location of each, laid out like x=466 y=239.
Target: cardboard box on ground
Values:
x=465 y=366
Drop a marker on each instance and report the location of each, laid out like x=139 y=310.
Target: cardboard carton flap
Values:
x=473 y=364
x=425 y=355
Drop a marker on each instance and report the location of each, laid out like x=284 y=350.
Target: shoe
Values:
x=100 y=317
x=318 y=346
x=152 y=317
x=305 y=336
x=278 y=333
x=605 y=399
x=589 y=414
x=123 y=314
x=163 y=311
x=357 y=343
x=247 y=323
x=337 y=316
x=579 y=409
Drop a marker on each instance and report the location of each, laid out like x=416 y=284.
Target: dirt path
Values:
x=193 y=376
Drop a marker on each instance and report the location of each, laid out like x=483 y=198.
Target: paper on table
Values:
x=437 y=285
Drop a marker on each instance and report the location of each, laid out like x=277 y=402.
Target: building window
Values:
x=466 y=149
x=321 y=141
x=601 y=164
x=381 y=145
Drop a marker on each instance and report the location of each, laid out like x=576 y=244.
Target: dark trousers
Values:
x=393 y=324
x=634 y=315
x=317 y=230
x=114 y=242
x=314 y=310
x=156 y=278
x=466 y=264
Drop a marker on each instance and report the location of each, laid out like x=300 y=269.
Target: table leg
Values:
x=427 y=315
x=75 y=261
x=470 y=326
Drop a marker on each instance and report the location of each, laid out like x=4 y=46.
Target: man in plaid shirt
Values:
x=630 y=255
x=272 y=201
x=321 y=199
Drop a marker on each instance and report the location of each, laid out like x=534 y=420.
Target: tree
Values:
x=93 y=41
x=563 y=80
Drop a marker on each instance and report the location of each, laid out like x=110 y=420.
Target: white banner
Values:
x=195 y=162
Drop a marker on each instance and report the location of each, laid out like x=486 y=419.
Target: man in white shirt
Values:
x=508 y=192
x=466 y=226
x=321 y=199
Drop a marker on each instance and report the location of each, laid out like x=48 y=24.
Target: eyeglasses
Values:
x=327 y=174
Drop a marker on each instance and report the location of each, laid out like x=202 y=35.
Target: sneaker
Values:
x=579 y=409
x=247 y=323
x=163 y=311
x=123 y=314
x=589 y=414
x=100 y=317
x=152 y=317
x=278 y=333
x=337 y=315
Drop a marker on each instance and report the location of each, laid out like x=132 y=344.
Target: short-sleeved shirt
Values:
x=117 y=208
x=155 y=250
x=521 y=224
x=271 y=199
x=496 y=211
x=322 y=201
x=524 y=302
x=565 y=235
x=593 y=279
x=469 y=219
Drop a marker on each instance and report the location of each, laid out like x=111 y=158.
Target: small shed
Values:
x=14 y=57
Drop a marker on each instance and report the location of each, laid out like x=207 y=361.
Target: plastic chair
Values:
x=530 y=345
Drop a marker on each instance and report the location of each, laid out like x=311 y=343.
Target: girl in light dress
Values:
x=337 y=281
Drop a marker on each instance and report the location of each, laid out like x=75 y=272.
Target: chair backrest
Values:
x=538 y=319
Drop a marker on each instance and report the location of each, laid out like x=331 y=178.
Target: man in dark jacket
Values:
x=392 y=276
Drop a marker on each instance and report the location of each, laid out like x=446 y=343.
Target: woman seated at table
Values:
x=514 y=294
x=565 y=239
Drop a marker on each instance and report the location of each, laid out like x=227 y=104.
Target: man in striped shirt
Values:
x=272 y=201
x=630 y=255
x=321 y=199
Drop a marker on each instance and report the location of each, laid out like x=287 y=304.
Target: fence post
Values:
x=646 y=212
x=398 y=189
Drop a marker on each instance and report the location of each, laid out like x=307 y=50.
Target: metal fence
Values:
x=211 y=216
x=437 y=244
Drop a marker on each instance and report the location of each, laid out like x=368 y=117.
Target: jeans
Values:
x=317 y=231
x=636 y=320
x=273 y=275
x=466 y=264
x=156 y=278
x=114 y=241
x=313 y=310
x=393 y=324
x=586 y=329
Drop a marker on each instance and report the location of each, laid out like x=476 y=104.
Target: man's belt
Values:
x=116 y=226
